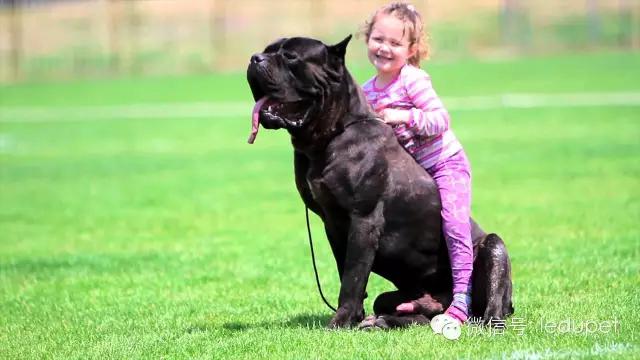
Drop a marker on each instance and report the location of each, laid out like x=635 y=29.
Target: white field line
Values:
x=597 y=351
x=242 y=108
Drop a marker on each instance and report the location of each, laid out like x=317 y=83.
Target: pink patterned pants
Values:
x=453 y=178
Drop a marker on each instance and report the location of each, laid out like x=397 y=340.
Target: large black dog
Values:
x=381 y=210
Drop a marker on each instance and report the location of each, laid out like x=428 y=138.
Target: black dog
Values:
x=381 y=210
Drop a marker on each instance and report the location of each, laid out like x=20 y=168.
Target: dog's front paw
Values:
x=373 y=322
x=368 y=323
x=345 y=318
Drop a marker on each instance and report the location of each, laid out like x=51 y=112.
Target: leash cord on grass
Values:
x=313 y=259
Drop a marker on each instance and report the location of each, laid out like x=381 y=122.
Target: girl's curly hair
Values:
x=413 y=24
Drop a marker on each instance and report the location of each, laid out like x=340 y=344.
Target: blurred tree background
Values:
x=44 y=40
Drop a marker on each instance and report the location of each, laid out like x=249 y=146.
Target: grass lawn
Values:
x=172 y=238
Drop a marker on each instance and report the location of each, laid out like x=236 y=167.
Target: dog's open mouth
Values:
x=275 y=114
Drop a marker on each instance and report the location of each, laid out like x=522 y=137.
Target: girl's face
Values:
x=388 y=45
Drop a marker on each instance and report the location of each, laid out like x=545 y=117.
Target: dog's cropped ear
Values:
x=340 y=49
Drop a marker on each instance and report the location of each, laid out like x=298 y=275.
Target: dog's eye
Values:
x=289 y=55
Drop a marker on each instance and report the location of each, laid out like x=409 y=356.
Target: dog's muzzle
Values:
x=274 y=114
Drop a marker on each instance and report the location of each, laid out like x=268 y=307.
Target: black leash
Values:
x=313 y=259
x=313 y=255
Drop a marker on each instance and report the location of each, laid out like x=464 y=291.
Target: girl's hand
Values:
x=395 y=116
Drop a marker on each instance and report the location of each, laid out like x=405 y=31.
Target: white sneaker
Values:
x=452 y=330
x=446 y=325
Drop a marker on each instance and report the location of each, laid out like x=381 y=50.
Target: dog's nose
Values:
x=257 y=58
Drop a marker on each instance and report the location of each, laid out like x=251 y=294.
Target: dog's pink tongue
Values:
x=255 y=124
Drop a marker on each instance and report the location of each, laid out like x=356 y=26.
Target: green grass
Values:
x=173 y=238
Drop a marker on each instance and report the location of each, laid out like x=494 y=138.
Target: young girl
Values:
x=403 y=95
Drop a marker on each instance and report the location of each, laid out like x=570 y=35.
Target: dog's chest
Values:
x=318 y=187
x=327 y=180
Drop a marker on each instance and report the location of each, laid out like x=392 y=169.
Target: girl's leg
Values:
x=453 y=177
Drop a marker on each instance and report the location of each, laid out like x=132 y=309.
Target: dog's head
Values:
x=292 y=82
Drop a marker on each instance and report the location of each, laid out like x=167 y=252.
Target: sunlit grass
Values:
x=173 y=238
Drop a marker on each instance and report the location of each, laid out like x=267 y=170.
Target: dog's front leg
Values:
x=364 y=233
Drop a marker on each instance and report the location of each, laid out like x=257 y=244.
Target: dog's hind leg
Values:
x=397 y=321
x=387 y=302
x=492 y=280
x=387 y=317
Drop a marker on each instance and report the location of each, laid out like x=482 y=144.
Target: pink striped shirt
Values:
x=427 y=136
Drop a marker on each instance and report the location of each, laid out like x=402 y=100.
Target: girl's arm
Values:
x=429 y=117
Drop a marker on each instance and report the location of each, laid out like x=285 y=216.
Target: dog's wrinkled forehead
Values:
x=304 y=48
